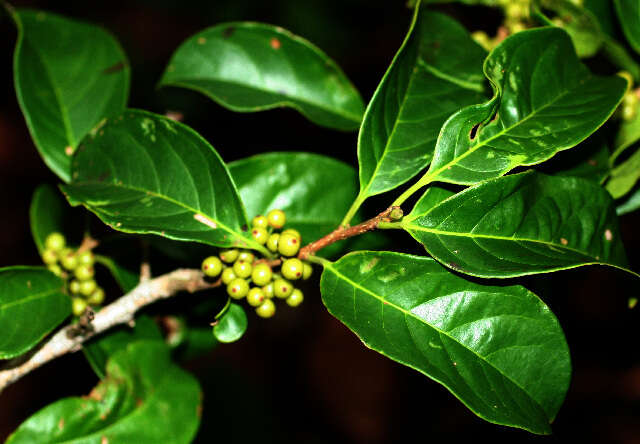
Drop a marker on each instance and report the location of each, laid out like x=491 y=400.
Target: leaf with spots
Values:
x=489 y=346
x=521 y=224
x=144 y=173
x=437 y=71
x=253 y=67
x=32 y=304
x=68 y=75
x=145 y=398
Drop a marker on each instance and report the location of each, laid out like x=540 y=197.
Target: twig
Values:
x=119 y=312
x=88 y=244
x=340 y=233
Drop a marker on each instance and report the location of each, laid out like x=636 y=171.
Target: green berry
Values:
x=74 y=286
x=87 y=287
x=272 y=242
x=242 y=269
x=260 y=222
x=229 y=256
x=84 y=272
x=292 y=269
x=246 y=256
x=261 y=274
x=78 y=306
x=86 y=258
x=255 y=297
x=68 y=259
x=282 y=289
x=268 y=290
x=238 y=288
x=307 y=269
x=276 y=218
x=55 y=269
x=296 y=233
x=288 y=245
x=260 y=235
x=55 y=242
x=228 y=275
x=267 y=309
x=97 y=297
x=211 y=266
x=49 y=257
x=295 y=298
x=629 y=112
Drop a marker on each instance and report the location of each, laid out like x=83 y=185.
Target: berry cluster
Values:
x=76 y=267
x=240 y=268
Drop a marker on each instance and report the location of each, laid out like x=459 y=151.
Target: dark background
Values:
x=303 y=377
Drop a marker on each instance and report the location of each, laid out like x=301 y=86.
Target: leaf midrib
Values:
x=29 y=298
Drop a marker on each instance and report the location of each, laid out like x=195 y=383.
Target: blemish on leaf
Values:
x=201 y=40
x=104 y=440
x=228 y=32
x=199 y=411
x=455 y=364
x=366 y=268
x=592 y=162
x=244 y=227
x=389 y=277
x=68 y=150
x=474 y=131
x=563 y=241
x=205 y=220
x=115 y=68
x=96 y=128
x=275 y=43
x=139 y=402
x=431 y=344
x=608 y=235
x=61 y=424
x=119 y=224
x=149 y=129
x=171 y=68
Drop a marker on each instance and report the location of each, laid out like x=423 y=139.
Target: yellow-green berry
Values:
x=68 y=259
x=295 y=298
x=238 y=288
x=212 y=266
x=49 y=257
x=242 y=269
x=260 y=222
x=272 y=242
x=276 y=218
x=246 y=256
x=261 y=274
x=86 y=258
x=78 y=306
x=267 y=309
x=307 y=269
x=97 y=297
x=55 y=269
x=292 y=269
x=288 y=245
x=268 y=290
x=228 y=275
x=255 y=297
x=282 y=289
x=55 y=242
x=260 y=235
x=74 y=286
x=87 y=287
x=84 y=272
x=296 y=233
x=229 y=256
x=629 y=112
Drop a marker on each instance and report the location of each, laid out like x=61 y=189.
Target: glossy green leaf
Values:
x=499 y=350
x=624 y=176
x=437 y=71
x=231 y=325
x=252 y=67
x=126 y=279
x=545 y=101
x=45 y=214
x=629 y=16
x=31 y=305
x=631 y=203
x=99 y=349
x=522 y=224
x=144 y=173
x=145 y=398
x=68 y=76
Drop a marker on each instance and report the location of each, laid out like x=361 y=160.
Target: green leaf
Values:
x=499 y=350
x=32 y=303
x=630 y=204
x=628 y=134
x=314 y=191
x=145 y=398
x=522 y=224
x=126 y=279
x=144 y=173
x=100 y=349
x=68 y=76
x=629 y=16
x=253 y=67
x=45 y=214
x=624 y=176
x=437 y=71
x=232 y=325
x=545 y=101
x=603 y=10
x=589 y=160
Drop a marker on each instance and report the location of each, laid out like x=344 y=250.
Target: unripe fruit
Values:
x=268 y=290
x=292 y=269
x=255 y=297
x=288 y=245
x=629 y=112
x=84 y=272
x=238 y=288
x=97 y=297
x=261 y=274
x=242 y=269
x=78 y=306
x=87 y=287
x=55 y=269
x=246 y=256
x=267 y=309
x=260 y=222
x=68 y=259
x=272 y=242
x=211 y=266
x=229 y=256
x=74 y=286
x=49 y=257
x=86 y=258
x=295 y=298
x=276 y=218
x=307 y=269
x=296 y=233
x=228 y=275
x=282 y=289
x=260 y=235
x=55 y=242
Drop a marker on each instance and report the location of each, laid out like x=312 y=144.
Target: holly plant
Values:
x=461 y=138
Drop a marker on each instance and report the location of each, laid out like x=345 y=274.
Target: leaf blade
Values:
x=45 y=214
x=629 y=15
